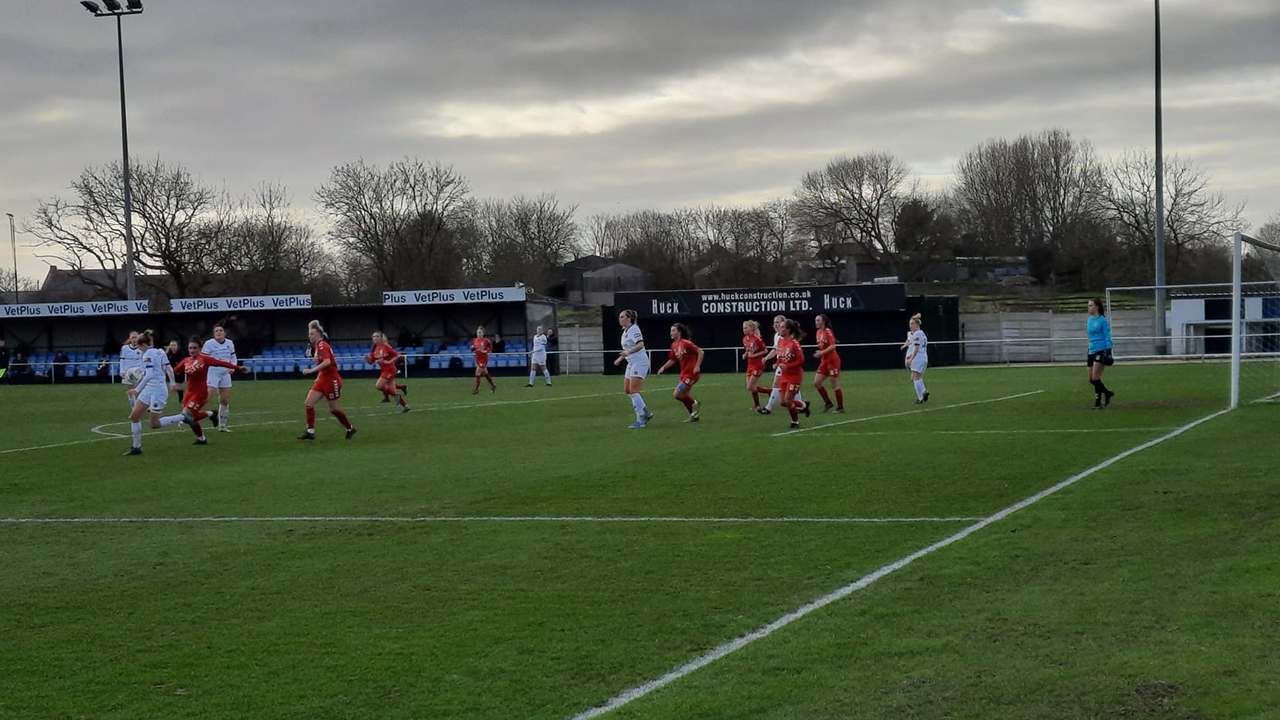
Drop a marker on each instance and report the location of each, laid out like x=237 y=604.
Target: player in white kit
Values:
x=637 y=359
x=917 y=360
x=538 y=356
x=130 y=357
x=152 y=391
x=778 y=323
x=221 y=347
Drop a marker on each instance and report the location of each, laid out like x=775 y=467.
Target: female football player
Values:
x=385 y=356
x=637 y=359
x=689 y=357
x=828 y=364
x=328 y=384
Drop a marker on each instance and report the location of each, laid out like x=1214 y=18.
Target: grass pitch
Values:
x=535 y=558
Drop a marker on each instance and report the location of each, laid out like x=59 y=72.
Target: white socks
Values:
x=137 y=434
x=533 y=375
x=773 y=399
x=546 y=374
x=919 y=389
x=224 y=412
x=637 y=402
x=168 y=420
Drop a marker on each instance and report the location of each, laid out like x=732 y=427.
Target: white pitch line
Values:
x=1268 y=398
x=57 y=445
x=908 y=412
x=711 y=656
x=481 y=519
x=1002 y=432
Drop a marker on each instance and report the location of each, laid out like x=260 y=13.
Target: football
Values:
x=133 y=376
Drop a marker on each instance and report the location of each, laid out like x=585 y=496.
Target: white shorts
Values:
x=919 y=363
x=538 y=359
x=155 y=398
x=637 y=370
x=219 y=377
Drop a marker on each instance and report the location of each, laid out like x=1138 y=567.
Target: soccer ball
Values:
x=133 y=376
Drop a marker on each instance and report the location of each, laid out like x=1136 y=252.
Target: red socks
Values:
x=795 y=416
x=401 y=387
x=826 y=399
x=342 y=418
x=477 y=382
x=688 y=403
x=840 y=398
x=311 y=418
x=755 y=397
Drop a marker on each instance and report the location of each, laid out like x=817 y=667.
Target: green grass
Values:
x=1146 y=590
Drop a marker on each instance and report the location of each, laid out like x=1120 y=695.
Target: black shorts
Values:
x=1102 y=357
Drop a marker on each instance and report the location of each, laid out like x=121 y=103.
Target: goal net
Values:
x=1236 y=321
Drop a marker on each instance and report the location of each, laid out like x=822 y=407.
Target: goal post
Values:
x=1234 y=322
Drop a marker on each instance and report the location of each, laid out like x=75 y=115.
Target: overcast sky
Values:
x=625 y=104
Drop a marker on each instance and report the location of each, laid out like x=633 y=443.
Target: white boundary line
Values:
x=377 y=412
x=489 y=518
x=1003 y=432
x=715 y=654
x=907 y=412
x=1268 y=398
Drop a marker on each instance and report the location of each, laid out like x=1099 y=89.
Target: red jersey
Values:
x=685 y=353
x=324 y=352
x=754 y=344
x=827 y=339
x=791 y=360
x=481 y=347
x=385 y=356
x=197 y=371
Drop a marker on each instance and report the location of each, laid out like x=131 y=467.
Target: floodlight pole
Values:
x=1161 y=330
x=134 y=9
x=13 y=245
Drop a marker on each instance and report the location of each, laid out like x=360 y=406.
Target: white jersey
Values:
x=224 y=351
x=631 y=337
x=919 y=344
x=540 y=345
x=777 y=368
x=156 y=372
x=130 y=357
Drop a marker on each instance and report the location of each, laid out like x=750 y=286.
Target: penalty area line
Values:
x=736 y=644
x=907 y=412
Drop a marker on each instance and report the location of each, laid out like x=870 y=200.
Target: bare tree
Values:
x=1197 y=219
x=853 y=201
x=405 y=219
x=1031 y=194
x=28 y=289
x=521 y=240
x=262 y=249
x=86 y=233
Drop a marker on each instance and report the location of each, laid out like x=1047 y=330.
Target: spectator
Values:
x=175 y=357
x=499 y=345
x=61 y=364
x=20 y=368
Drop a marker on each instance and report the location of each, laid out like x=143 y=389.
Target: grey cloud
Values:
x=243 y=91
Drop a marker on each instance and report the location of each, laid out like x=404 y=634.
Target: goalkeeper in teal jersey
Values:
x=1100 y=358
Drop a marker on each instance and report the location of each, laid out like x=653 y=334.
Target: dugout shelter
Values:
x=432 y=327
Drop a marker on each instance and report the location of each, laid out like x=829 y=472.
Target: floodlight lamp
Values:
x=112 y=5
x=134 y=5
x=91 y=6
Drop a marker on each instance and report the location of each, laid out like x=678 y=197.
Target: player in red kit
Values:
x=828 y=364
x=196 y=366
x=328 y=384
x=790 y=357
x=482 y=347
x=754 y=351
x=385 y=356
x=689 y=356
